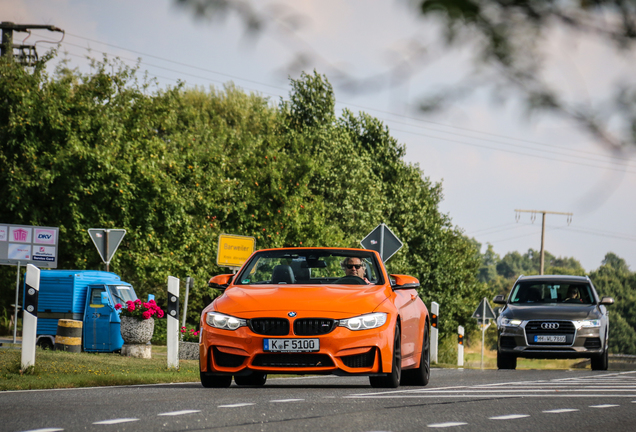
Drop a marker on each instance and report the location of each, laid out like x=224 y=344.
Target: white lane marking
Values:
x=603 y=406
x=492 y=395
x=45 y=430
x=509 y=417
x=116 y=421
x=235 y=405
x=559 y=411
x=176 y=413
x=287 y=400
x=445 y=425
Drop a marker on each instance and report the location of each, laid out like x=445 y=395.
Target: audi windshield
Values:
x=529 y=293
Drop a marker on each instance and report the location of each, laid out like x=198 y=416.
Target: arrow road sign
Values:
x=106 y=241
x=382 y=240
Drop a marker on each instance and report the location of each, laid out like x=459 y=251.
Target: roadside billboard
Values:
x=27 y=244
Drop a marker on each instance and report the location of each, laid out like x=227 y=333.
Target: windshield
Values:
x=311 y=267
x=551 y=292
x=122 y=293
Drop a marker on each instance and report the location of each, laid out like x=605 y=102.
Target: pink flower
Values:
x=140 y=310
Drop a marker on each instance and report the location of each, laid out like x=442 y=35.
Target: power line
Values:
x=616 y=160
x=516 y=152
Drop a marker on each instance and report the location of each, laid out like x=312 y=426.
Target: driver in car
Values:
x=354 y=266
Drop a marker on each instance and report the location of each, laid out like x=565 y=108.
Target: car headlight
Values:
x=225 y=322
x=587 y=324
x=505 y=322
x=364 y=322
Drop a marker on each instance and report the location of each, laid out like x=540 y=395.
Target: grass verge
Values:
x=58 y=369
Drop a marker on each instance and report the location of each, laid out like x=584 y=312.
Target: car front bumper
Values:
x=342 y=352
x=521 y=341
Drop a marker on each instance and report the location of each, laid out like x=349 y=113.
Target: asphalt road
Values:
x=461 y=400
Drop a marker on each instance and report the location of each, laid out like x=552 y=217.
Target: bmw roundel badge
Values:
x=291 y=314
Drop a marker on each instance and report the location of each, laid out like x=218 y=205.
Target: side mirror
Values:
x=607 y=301
x=104 y=298
x=404 y=282
x=221 y=281
x=499 y=299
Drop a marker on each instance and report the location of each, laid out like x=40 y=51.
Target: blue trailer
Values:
x=89 y=296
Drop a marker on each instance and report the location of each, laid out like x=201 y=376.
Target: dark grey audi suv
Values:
x=553 y=317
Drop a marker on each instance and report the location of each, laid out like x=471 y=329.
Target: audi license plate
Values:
x=545 y=338
x=291 y=345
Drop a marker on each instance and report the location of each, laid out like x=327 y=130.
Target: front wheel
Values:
x=601 y=362
x=421 y=375
x=253 y=379
x=506 y=361
x=209 y=380
x=391 y=380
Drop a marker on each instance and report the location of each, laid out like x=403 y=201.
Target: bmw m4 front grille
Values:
x=313 y=326
x=270 y=326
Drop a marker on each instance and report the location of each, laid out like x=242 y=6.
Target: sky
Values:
x=491 y=156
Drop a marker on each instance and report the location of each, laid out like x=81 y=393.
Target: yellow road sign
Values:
x=234 y=250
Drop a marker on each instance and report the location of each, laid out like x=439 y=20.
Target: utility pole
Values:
x=26 y=53
x=533 y=217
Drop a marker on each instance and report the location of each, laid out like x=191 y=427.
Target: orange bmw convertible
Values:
x=315 y=311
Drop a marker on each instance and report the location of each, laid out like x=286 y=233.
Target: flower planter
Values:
x=188 y=350
x=136 y=331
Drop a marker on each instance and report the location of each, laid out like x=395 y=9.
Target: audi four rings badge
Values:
x=550 y=326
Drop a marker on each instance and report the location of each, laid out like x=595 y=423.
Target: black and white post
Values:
x=173 y=322
x=460 y=346
x=30 y=316
x=434 y=332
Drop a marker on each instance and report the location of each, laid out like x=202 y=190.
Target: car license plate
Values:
x=291 y=345
x=544 y=338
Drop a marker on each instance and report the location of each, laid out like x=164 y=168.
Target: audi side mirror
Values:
x=499 y=299
x=607 y=301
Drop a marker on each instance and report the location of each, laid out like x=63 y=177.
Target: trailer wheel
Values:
x=46 y=344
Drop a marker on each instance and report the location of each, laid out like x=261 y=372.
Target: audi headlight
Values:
x=364 y=322
x=505 y=322
x=225 y=322
x=587 y=324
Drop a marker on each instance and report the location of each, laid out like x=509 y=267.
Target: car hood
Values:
x=342 y=300
x=551 y=312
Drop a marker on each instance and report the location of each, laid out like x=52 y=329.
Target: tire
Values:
x=506 y=361
x=46 y=344
x=253 y=379
x=391 y=380
x=600 y=362
x=209 y=380
x=421 y=375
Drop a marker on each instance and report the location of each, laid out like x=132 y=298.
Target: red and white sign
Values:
x=20 y=235
x=19 y=251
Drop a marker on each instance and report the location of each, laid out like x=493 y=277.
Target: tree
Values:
x=177 y=167
x=614 y=279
